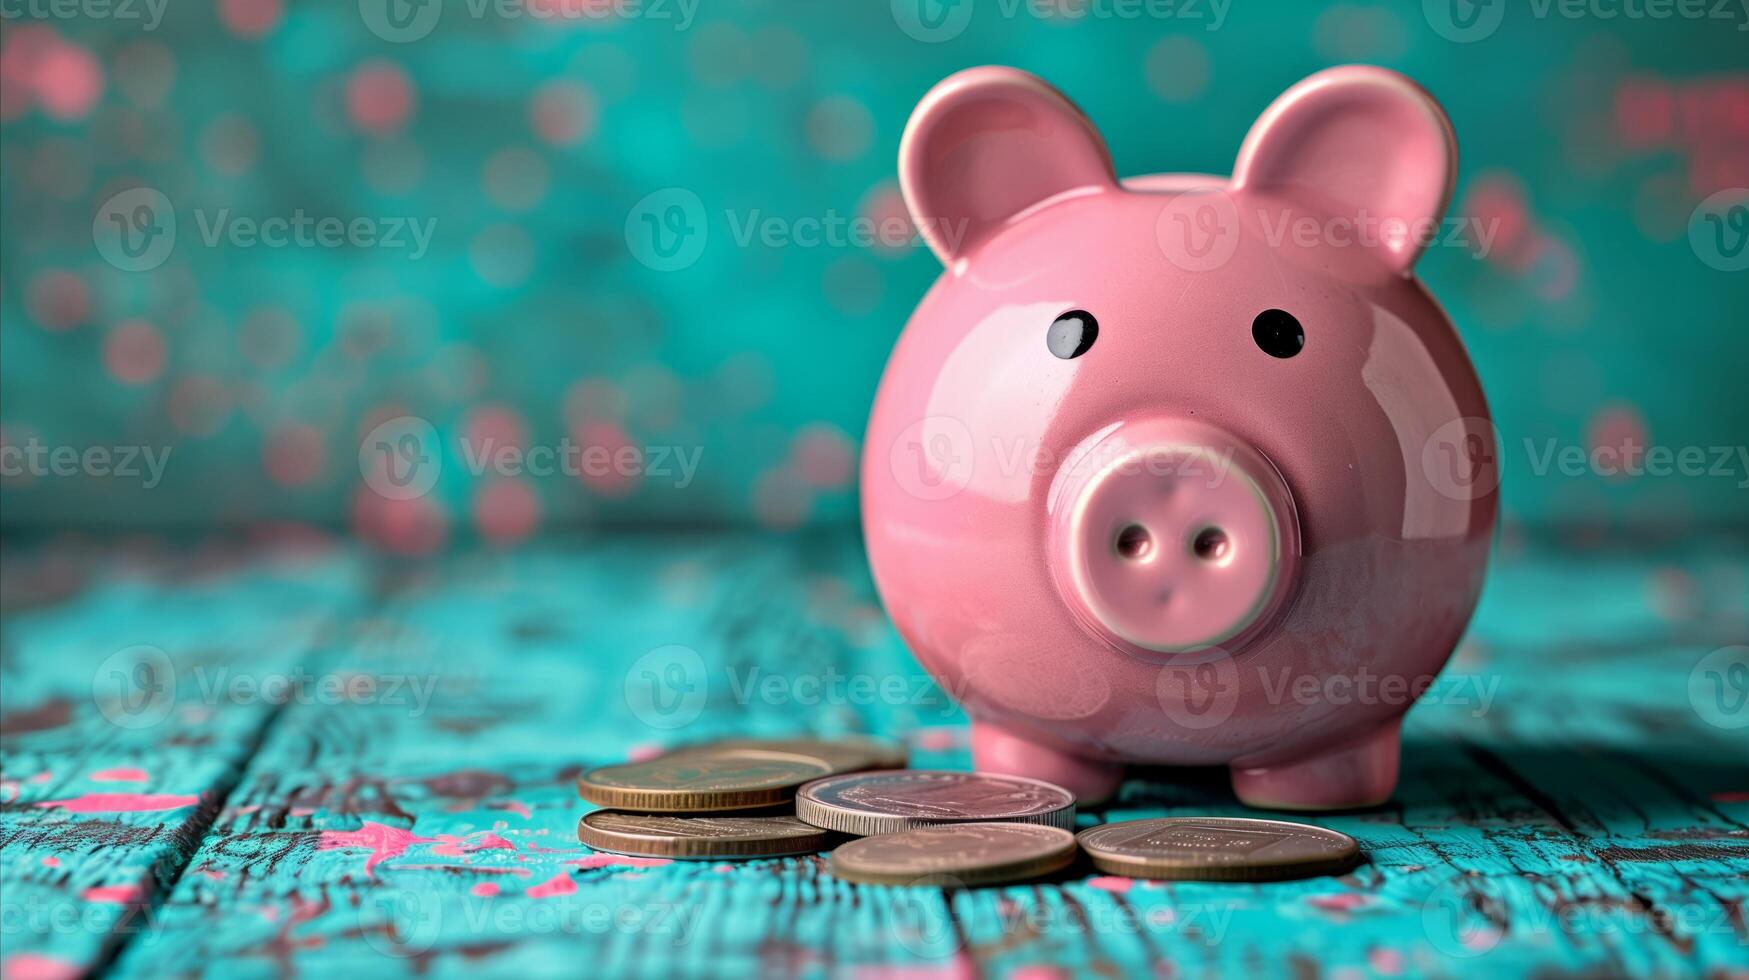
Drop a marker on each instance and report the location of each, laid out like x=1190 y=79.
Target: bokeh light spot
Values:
x=379 y=97
x=58 y=300
x=516 y=178
x=133 y=352
x=563 y=113
x=295 y=455
x=502 y=255
x=1177 y=69
x=67 y=80
x=839 y=128
x=250 y=18
x=506 y=511
x=823 y=456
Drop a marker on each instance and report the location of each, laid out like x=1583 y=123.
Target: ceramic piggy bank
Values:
x=1182 y=469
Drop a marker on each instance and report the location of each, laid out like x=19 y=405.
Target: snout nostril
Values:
x=1134 y=542
x=1211 y=544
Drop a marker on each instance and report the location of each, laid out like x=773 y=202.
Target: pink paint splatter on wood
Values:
x=559 y=884
x=51 y=862
x=1734 y=796
x=485 y=889
x=1111 y=883
x=453 y=846
x=382 y=840
x=35 y=966
x=123 y=802
x=609 y=860
x=120 y=894
x=959 y=968
x=1341 y=902
x=1386 y=961
x=514 y=806
x=120 y=774
x=386 y=842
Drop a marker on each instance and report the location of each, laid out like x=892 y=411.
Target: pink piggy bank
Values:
x=1180 y=469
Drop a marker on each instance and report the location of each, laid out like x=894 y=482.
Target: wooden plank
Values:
x=124 y=729
x=1563 y=808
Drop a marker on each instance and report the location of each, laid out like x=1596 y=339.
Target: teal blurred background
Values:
x=532 y=141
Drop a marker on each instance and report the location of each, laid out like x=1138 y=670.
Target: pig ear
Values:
x=985 y=145
x=1357 y=139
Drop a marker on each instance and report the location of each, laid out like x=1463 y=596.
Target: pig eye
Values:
x=1072 y=334
x=1277 y=333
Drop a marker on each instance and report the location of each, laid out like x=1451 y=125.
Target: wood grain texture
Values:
x=1564 y=807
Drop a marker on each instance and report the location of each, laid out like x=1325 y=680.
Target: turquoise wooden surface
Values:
x=343 y=764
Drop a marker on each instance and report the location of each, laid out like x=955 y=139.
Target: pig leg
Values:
x=1356 y=774
x=998 y=750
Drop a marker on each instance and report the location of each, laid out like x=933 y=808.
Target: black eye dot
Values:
x=1072 y=334
x=1278 y=333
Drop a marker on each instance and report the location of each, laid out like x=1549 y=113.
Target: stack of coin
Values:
x=720 y=801
x=758 y=798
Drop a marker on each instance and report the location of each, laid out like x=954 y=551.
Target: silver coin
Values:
x=888 y=802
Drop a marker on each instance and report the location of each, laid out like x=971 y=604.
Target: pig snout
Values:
x=1172 y=535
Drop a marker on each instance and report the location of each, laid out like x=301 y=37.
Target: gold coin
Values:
x=702 y=837
x=846 y=753
x=1218 y=849
x=956 y=854
x=704 y=781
